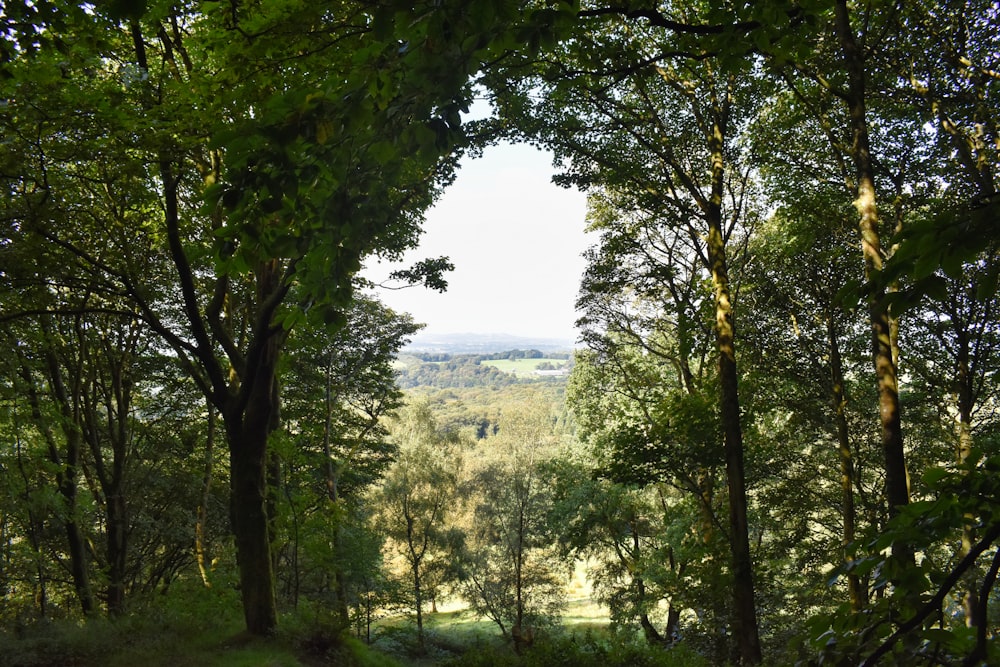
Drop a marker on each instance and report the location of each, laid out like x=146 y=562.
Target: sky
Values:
x=516 y=241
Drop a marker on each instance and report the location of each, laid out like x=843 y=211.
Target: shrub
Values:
x=571 y=650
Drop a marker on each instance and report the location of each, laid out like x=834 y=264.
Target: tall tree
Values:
x=338 y=388
x=417 y=498
x=803 y=349
x=645 y=434
x=511 y=570
x=262 y=150
x=624 y=113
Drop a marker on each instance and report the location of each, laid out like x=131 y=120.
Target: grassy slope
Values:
x=522 y=368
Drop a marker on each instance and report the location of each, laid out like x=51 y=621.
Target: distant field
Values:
x=521 y=367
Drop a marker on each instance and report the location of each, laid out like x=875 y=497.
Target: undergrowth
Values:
x=192 y=627
x=198 y=627
x=587 y=649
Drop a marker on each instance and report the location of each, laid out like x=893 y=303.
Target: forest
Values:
x=779 y=439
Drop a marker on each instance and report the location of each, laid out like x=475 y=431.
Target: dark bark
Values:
x=117 y=544
x=896 y=486
x=67 y=469
x=247 y=458
x=745 y=611
x=248 y=426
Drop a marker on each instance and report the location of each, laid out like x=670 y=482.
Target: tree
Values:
x=260 y=151
x=511 y=569
x=619 y=530
x=417 y=500
x=660 y=132
x=100 y=438
x=651 y=442
x=339 y=387
x=804 y=351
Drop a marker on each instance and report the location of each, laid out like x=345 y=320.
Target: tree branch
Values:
x=935 y=602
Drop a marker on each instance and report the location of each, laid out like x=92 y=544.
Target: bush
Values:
x=571 y=650
x=175 y=629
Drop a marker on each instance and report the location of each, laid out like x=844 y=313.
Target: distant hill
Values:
x=474 y=343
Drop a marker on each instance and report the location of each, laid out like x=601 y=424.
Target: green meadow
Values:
x=522 y=368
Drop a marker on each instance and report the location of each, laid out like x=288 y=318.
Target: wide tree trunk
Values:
x=248 y=432
x=247 y=455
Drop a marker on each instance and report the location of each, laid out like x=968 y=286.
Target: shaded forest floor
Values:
x=203 y=629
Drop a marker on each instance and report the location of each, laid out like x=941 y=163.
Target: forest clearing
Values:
x=776 y=440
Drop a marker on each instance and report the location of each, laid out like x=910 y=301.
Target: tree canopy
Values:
x=786 y=407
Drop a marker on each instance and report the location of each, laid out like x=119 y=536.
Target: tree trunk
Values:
x=858 y=595
x=247 y=456
x=517 y=629
x=117 y=539
x=966 y=403
x=896 y=488
x=35 y=528
x=333 y=494
x=66 y=475
x=201 y=519
x=75 y=539
x=745 y=619
x=116 y=408
x=648 y=629
x=673 y=623
x=418 y=600
x=248 y=433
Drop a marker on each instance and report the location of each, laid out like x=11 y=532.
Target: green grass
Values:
x=188 y=628
x=585 y=615
x=522 y=368
x=195 y=627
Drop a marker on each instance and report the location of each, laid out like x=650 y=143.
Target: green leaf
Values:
x=933 y=475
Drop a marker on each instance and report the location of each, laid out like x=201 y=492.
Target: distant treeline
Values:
x=458 y=372
x=443 y=370
x=438 y=357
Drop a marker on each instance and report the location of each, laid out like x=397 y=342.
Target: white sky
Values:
x=516 y=242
